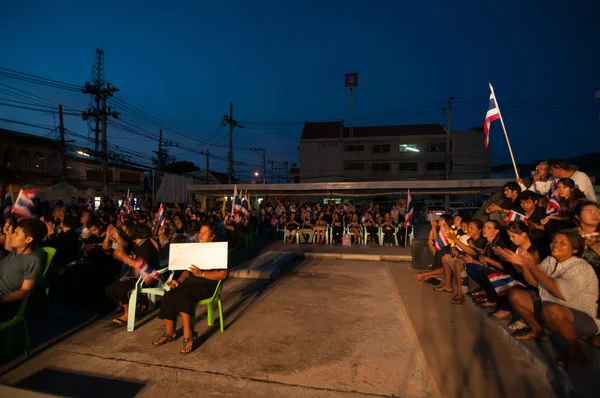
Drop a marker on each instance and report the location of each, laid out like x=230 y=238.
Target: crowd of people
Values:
x=534 y=257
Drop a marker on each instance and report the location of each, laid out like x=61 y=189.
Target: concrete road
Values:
x=325 y=328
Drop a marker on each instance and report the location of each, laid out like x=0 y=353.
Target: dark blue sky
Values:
x=282 y=62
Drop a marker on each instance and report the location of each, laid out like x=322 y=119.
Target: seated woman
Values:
x=568 y=289
x=371 y=227
x=587 y=218
x=143 y=260
x=192 y=286
x=437 y=271
x=355 y=229
x=569 y=196
x=337 y=228
x=291 y=228
x=321 y=227
x=387 y=226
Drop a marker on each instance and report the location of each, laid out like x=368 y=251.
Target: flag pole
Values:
x=504 y=129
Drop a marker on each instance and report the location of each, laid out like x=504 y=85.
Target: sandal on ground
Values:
x=480 y=299
x=442 y=290
x=493 y=315
x=457 y=301
x=118 y=323
x=477 y=293
x=186 y=341
x=595 y=341
x=167 y=339
x=528 y=334
x=518 y=325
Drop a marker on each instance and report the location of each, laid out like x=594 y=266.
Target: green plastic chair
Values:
x=152 y=292
x=6 y=326
x=209 y=302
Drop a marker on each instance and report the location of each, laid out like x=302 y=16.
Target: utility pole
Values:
x=206 y=172
x=286 y=163
x=232 y=123
x=448 y=109
x=159 y=153
x=270 y=161
x=102 y=114
x=264 y=162
x=63 y=149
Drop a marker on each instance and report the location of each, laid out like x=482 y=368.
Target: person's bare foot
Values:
x=443 y=289
x=421 y=278
x=530 y=335
x=500 y=314
x=164 y=339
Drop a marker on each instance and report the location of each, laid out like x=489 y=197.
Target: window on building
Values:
x=381 y=167
x=129 y=177
x=9 y=158
x=354 y=166
x=38 y=162
x=54 y=165
x=381 y=148
x=355 y=148
x=408 y=166
x=408 y=148
x=436 y=166
x=329 y=144
x=436 y=147
x=24 y=160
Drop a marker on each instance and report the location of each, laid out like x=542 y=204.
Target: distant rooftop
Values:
x=324 y=130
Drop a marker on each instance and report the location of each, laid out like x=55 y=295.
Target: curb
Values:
x=267 y=266
x=358 y=257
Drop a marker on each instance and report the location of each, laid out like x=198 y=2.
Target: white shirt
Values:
x=577 y=282
x=541 y=187
x=583 y=182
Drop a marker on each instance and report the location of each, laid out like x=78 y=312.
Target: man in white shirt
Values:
x=542 y=180
x=562 y=169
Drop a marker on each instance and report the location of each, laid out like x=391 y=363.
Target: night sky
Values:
x=282 y=63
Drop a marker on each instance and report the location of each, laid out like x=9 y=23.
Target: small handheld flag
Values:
x=442 y=240
x=515 y=216
x=553 y=208
x=9 y=201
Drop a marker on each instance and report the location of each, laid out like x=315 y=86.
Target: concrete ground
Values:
x=325 y=328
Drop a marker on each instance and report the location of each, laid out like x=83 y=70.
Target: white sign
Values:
x=208 y=256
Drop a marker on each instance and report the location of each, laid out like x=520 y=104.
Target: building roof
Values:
x=315 y=131
x=28 y=139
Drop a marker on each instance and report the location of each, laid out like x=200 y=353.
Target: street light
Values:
x=256 y=174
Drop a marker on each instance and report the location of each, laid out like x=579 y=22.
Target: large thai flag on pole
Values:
x=410 y=211
x=552 y=189
x=442 y=240
x=9 y=201
x=493 y=113
x=24 y=207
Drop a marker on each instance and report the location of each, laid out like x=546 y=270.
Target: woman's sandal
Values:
x=518 y=325
x=186 y=341
x=442 y=290
x=168 y=339
x=118 y=323
x=477 y=293
x=457 y=301
x=527 y=334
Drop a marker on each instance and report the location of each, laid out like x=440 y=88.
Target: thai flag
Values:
x=237 y=202
x=503 y=283
x=410 y=212
x=245 y=211
x=442 y=240
x=24 y=207
x=9 y=201
x=161 y=215
x=553 y=207
x=552 y=189
x=493 y=113
x=515 y=216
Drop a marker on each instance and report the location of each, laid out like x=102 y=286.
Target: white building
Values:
x=404 y=152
